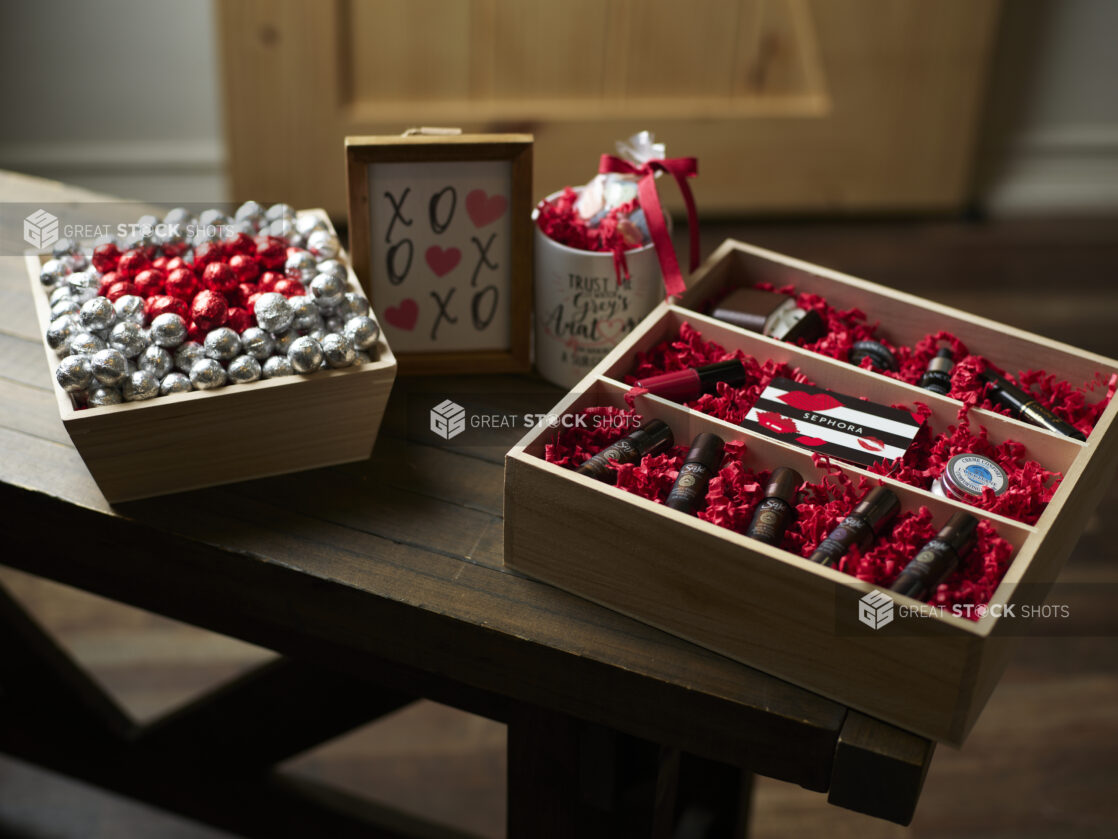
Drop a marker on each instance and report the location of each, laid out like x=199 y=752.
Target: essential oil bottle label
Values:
x=690 y=487
x=852 y=531
x=597 y=467
x=770 y=520
x=923 y=565
x=622 y=450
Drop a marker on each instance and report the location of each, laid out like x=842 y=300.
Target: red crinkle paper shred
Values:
x=1031 y=486
x=737 y=489
x=559 y=221
x=846 y=327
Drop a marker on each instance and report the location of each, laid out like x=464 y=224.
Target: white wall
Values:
x=123 y=96
x=1051 y=135
x=115 y=95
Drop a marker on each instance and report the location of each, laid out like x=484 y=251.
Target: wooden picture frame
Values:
x=426 y=216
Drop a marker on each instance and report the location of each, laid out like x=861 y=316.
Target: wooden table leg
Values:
x=879 y=769
x=712 y=800
x=571 y=778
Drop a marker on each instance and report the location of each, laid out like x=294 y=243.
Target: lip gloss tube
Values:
x=938 y=558
x=1026 y=407
x=860 y=528
x=685 y=385
x=775 y=512
x=701 y=464
x=651 y=438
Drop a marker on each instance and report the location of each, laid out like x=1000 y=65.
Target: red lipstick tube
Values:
x=685 y=385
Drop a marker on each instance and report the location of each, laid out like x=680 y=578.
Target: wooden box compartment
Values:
x=772 y=609
x=203 y=438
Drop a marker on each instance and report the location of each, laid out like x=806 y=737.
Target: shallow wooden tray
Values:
x=771 y=609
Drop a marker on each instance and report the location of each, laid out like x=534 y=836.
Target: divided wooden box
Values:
x=771 y=609
x=233 y=433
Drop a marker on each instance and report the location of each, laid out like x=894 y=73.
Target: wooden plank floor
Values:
x=1041 y=764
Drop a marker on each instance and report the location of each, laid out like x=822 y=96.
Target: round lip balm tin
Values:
x=966 y=475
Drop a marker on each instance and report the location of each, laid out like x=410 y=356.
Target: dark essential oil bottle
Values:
x=938 y=558
x=937 y=378
x=701 y=464
x=651 y=438
x=775 y=512
x=860 y=528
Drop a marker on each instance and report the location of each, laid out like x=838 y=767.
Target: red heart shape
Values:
x=403 y=316
x=442 y=262
x=611 y=330
x=818 y=402
x=485 y=209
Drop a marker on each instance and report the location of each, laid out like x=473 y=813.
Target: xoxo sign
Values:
x=445 y=246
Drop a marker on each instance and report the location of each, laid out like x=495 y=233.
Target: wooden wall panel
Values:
x=411 y=52
x=683 y=50
x=554 y=51
x=790 y=105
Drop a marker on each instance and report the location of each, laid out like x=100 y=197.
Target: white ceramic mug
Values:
x=581 y=311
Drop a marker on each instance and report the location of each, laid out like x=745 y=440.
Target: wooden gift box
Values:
x=203 y=438
x=771 y=609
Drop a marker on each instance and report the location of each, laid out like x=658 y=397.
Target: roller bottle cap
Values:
x=878 y=507
x=959 y=532
x=654 y=436
x=707 y=450
x=783 y=484
x=731 y=372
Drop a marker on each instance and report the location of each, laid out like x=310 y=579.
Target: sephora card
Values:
x=830 y=423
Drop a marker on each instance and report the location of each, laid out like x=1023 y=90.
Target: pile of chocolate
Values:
x=197 y=302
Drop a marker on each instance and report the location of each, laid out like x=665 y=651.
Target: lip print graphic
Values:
x=814 y=442
x=816 y=402
x=775 y=422
x=871 y=444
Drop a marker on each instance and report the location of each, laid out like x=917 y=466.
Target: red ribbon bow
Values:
x=681 y=169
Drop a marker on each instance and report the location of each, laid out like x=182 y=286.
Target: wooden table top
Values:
x=392 y=568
